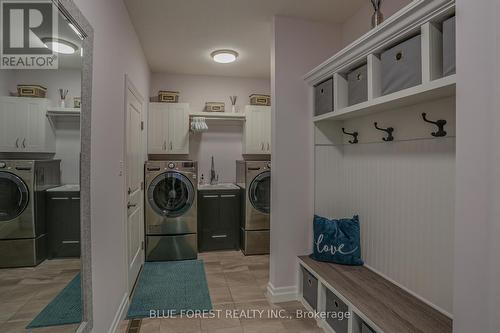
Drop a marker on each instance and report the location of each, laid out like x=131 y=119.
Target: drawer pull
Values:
x=336 y=304
x=210 y=196
x=59 y=198
x=399 y=55
x=219 y=236
x=75 y=198
x=309 y=282
x=228 y=195
x=71 y=242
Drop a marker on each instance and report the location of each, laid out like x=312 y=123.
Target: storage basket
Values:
x=215 y=107
x=263 y=100
x=402 y=66
x=309 y=288
x=358 y=85
x=323 y=97
x=335 y=305
x=168 y=96
x=31 y=90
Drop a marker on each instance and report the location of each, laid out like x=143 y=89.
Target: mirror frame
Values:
x=69 y=9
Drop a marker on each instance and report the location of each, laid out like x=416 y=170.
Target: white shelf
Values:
x=55 y=114
x=433 y=90
x=219 y=115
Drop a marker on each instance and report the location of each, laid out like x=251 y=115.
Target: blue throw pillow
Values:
x=337 y=241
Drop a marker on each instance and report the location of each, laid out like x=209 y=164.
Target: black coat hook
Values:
x=353 y=134
x=440 y=124
x=388 y=130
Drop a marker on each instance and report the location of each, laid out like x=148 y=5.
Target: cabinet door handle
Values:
x=268 y=146
x=171 y=147
x=210 y=196
x=17 y=142
x=71 y=242
x=228 y=195
x=164 y=145
x=219 y=236
x=24 y=141
x=60 y=198
x=262 y=146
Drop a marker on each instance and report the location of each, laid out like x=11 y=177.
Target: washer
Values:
x=171 y=210
x=23 y=237
x=254 y=177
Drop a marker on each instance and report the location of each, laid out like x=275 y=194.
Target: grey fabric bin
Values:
x=309 y=288
x=402 y=66
x=334 y=304
x=366 y=329
x=323 y=97
x=449 y=48
x=358 y=85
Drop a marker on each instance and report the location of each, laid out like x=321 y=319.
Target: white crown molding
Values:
x=402 y=24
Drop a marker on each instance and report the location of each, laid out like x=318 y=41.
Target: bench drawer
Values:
x=309 y=288
x=334 y=304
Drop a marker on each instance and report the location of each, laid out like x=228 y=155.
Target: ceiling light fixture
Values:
x=224 y=56
x=60 y=45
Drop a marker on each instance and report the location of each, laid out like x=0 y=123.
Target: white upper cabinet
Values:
x=257 y=132
x=168 y=129
x=24 y=126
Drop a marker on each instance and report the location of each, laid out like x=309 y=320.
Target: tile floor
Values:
x=26 y=291
x=239 y=283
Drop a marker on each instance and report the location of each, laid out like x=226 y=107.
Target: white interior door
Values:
x=134 y=177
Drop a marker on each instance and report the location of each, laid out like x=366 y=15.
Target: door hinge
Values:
x=142 y=126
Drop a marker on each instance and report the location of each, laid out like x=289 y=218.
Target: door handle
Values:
x=24 y=141
x=17 y=142
x=129 y=205
x=228 y=195
x=164 y=145
x=210 y=196
x=219 y=236
x=262 y=146
x=268 y=146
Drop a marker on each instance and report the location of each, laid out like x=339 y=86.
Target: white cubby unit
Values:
x=401 y=181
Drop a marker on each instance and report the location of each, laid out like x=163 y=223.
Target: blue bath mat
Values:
x=64 y=309
x=170 y=287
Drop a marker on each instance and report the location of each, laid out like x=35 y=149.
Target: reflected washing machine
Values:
x=23 y=235
x=171 y=210
x=254 y=178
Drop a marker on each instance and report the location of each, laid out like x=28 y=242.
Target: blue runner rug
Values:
x=64 y=309
x=170 y=287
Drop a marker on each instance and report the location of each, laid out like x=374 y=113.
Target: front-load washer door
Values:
x=259 y=202
x=172 y=198
x=14 y=200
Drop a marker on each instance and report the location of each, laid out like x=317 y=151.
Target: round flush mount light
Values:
x=224 y=56
x=60 y=45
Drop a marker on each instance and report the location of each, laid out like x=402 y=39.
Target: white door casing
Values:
x=134 y=174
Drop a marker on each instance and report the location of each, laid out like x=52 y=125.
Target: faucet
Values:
x=213 y=178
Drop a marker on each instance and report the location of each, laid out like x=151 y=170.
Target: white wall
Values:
x=297 y=46
x=477 y=227
x=117 y=52
x=361 y=21
x=5 y=77
x=224 y=138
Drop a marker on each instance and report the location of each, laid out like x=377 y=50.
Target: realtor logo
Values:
x=24 y=27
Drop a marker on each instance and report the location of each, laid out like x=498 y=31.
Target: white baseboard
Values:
x=120 y=314
x=281 y=294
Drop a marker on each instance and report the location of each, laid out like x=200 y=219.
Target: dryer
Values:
x=23 y=235
x=254 y=178
x=171 y=210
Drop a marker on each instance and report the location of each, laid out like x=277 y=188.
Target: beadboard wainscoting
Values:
x=404 y=193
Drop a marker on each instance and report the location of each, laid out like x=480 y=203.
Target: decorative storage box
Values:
x=323 y=97
x=31 y=90
x=215 y=107
x=402 y=66
x=256 y=99
x=366 y=329
x=309 y=288
x=358 y=85
x=168 y=96
x=449 y=48
x=334 y=304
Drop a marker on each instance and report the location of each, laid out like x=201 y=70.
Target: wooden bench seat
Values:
x=388 y=306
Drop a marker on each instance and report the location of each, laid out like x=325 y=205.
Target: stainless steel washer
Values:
x=23 y=235
x=171 y=210
x=254 y=177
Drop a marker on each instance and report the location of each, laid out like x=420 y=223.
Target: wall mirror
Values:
x=45 y=277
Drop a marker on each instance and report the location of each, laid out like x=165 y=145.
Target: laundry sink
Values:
x=220 y=186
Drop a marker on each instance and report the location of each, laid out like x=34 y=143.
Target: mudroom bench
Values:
x=375 y=304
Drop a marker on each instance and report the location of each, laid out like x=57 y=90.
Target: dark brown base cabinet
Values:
x=63 y=224
x=218 y=220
